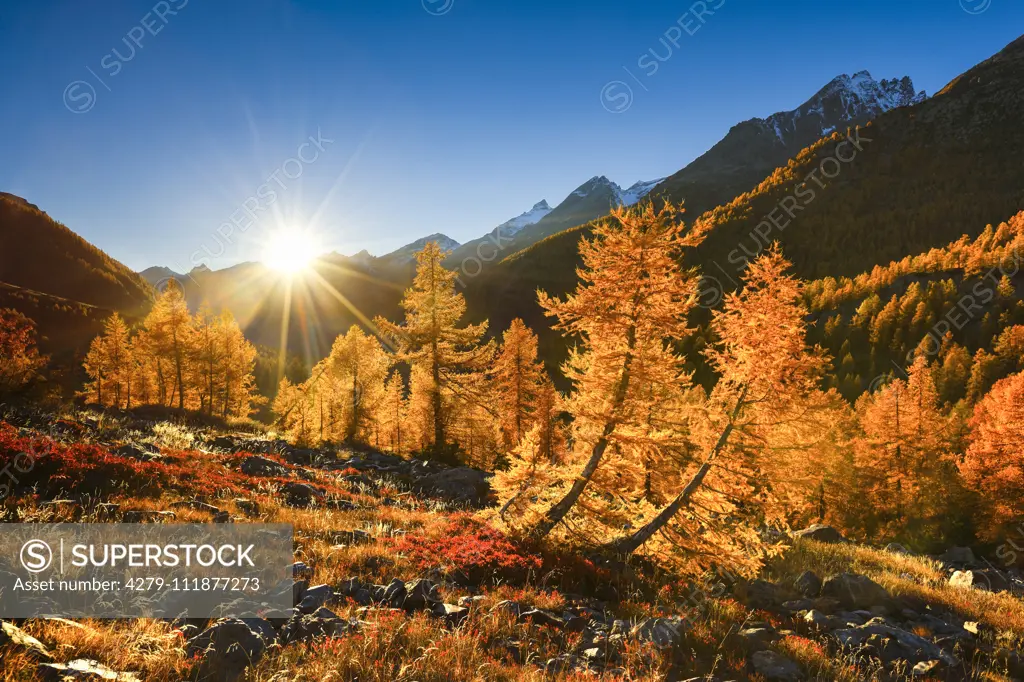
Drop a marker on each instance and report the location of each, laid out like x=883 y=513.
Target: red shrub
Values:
x=54 y=469
x=472 y=551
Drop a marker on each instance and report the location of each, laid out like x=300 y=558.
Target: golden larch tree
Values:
x=518 y=376
x=452 y=356
x=994 y=464
x=631 y=304
x=392 y=415
x=20 y=360
x=755 y=432
x=111 y=365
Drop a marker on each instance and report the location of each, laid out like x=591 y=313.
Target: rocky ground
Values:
x=396 y=578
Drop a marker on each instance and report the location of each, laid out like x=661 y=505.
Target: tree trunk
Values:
x=631 y=543
x=439 y=434
x=178 y=373
x=555 y=515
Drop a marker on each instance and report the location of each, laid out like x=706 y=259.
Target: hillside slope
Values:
x=38 y=253
x=931 y=172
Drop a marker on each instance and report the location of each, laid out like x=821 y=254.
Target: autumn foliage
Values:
x=994 y=464
x=175 y=359
x=20 y=361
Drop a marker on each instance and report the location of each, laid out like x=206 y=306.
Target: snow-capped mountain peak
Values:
x=638 y=191
x=845 y=98
x=531 y=217
x=622 y=197
x=596 y=183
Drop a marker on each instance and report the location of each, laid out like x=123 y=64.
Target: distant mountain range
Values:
x=753 y=149
x=935 y=168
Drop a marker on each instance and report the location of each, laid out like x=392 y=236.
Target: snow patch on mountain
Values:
x=845 y=98
x=627 y=197
x=634 y=194
x=531 y=217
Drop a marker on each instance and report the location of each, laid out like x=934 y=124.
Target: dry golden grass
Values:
x=149 y=648
x=903 y=575
x=392 y=647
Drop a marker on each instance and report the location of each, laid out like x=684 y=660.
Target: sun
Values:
x=290 y=251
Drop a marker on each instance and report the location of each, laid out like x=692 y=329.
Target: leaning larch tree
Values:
x=758 y=430
x=630 y=307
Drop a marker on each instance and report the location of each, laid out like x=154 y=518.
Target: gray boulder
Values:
x=662 y=632
x=773 y=666
x=320 y=624
x=460 y=484
x=854 y=591
x=300 y=495
x=228 y=647
x=821 y=533
x=315 y=597
x=21 y=642
x=263 y=467
x=420 y=594
x=808 y=584
x=892 y=643
x=958 y=555
x=451 y=615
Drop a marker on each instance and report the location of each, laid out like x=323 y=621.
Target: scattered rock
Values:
x=890 y=643
x=320 y=624
x=541 y=617
x=808 y=584
x=958 y=555
x=315 y=597
x=261 y=466
x=508 y=606
x=460 y=484
x=773 y=666
x=300 y=495
x=985 y=579
x=82 y=670
x=452 y=615
x=147 y=516
x=926 y=668
x=130 y=451
x=420 y=594
x=13 y=636
x=228 y=647
x=855 y=591
x=65 y=509
x=819 y=620
x=662 y=632
x=759 y=638
x=821 y=533
x=897 y=548
x=248 y=507
x=761 y=594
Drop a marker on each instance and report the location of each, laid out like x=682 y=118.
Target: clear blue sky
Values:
x=449 y=120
